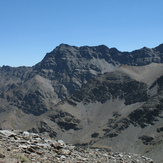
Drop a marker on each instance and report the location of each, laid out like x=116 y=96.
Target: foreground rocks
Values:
x=19 y=146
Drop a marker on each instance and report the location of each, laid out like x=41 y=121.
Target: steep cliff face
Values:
x=71 y=67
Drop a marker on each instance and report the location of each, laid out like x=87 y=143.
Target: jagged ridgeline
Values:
x=91 y=96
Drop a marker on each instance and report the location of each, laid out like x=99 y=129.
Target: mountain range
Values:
x=96 y=97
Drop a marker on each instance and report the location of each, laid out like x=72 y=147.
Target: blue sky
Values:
x=31 y=28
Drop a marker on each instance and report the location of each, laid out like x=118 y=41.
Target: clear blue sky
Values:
x=31 y=28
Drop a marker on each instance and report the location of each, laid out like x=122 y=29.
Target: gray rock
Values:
x=7 y=133
x=2 y=155
x=61 y=142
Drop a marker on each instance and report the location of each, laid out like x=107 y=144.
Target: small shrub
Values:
x=23 y=158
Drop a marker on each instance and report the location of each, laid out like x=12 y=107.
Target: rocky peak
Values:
x=73 y=53
x=65 y=54
x=159 y=48
x=72 y=66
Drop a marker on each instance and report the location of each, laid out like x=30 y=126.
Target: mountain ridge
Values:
x=158 y=48
x=93 y=96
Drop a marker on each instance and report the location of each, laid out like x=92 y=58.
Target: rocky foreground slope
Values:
x=89 y=96
x=18 y=146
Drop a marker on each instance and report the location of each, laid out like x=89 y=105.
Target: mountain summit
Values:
x=89 y=96
x=71 y=67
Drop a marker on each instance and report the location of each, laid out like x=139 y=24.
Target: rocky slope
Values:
x=89 y=96
x=30 y=147
x=113 y=111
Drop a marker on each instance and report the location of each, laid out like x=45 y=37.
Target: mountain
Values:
x=90 y=96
